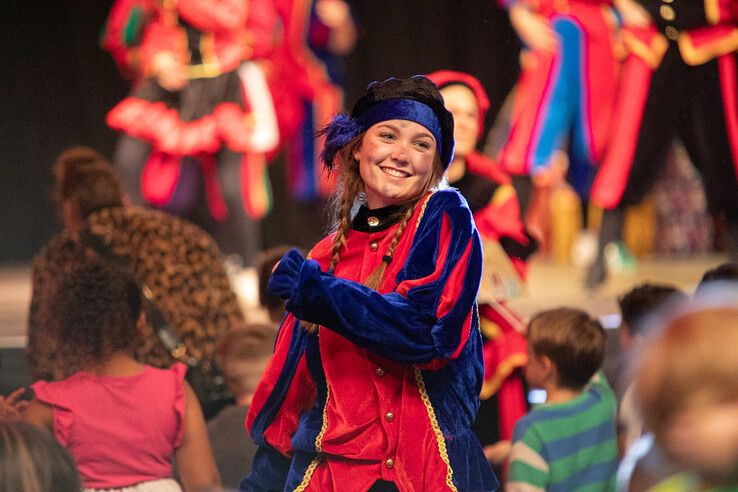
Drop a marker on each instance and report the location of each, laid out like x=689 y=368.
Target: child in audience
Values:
x=687 y=384
x=721 y=277
x=242 y=355
x=636 y=306
x=569 y=442
x=32 y=461
x=122 y=421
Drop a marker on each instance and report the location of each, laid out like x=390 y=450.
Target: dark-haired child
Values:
x=567 y=443
x=122 y=421
x=636 y=306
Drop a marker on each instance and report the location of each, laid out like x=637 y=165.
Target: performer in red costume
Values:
x=306 y=78
x=197 y=112
x=375 y=379
x=506 y=248
x=679 y=80
x=566 y=91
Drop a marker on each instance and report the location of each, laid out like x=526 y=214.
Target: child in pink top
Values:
x=121 y=420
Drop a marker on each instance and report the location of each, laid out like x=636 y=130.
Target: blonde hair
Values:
x=688 y=365
x=32 y=460
x=242 y=354
x=349 y=187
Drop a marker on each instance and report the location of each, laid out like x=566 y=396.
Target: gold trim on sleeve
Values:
x=712 y=11
x=651 y=53
x=693 y=55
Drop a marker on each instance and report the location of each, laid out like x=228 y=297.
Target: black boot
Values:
x=610 y=230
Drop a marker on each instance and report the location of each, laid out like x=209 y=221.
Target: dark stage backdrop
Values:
x=56 y=84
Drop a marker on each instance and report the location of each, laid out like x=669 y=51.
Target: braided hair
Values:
x=343 y=138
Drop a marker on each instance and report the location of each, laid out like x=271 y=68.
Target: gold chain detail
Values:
x=422 y=210
x=436 y=428
x=324 y=427
x=426 y=401
x=308 y=474
x=318 y=445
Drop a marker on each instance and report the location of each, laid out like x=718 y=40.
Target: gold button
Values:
x=671 y=33
x=667 y=1
x=667 y=13
x=389 y=462
x=373 y=246
x=379 y=372
x=372 y=221
x=389 y=416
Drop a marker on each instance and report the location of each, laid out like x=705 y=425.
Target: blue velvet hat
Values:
x=415 y=99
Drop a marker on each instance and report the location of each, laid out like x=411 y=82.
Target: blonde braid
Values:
x=352 y=184
x=348 y=195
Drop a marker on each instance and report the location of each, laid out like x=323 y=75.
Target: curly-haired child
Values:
x=121 y=420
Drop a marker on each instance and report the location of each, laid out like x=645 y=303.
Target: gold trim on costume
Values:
x=318 y=444
x=652 y=54
x=493 y=384
x=210 y=66
x=324 y=427
x=308 y=475
x=693 y=55
x=203 y=71
x=442 y=451
x=503 y=194
x=712 y=11
x=422 y=211
x=489 y=329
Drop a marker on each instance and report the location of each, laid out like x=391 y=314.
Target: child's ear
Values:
x=357 y=153
x=548 y=366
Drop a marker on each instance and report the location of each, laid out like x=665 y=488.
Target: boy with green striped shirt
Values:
x=569 y=443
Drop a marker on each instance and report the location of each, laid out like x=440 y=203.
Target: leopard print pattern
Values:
x=176 y=260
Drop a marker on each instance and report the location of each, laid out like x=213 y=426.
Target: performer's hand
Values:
x=498 y=452
x=633 y=13
x=170 y=73
x=332 y=13
x=337 y=16
x=286 y=274
x=11 y=407
x=533 y=29
x=705 y=439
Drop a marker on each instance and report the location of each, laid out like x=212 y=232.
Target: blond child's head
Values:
x=691 y=364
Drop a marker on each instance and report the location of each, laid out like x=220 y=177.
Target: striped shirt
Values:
x=567 y=447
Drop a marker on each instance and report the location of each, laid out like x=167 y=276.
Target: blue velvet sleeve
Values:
x=268 y=471
x=405 y=325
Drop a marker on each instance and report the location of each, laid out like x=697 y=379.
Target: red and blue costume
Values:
x=679 y=80
x=308 y=96
x=494 y=204
x=565 y=97
x=506 y=248
x=387 y=388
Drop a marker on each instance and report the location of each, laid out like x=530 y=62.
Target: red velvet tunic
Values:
x=359 y=402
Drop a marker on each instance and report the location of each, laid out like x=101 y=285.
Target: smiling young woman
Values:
x=377 y=368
